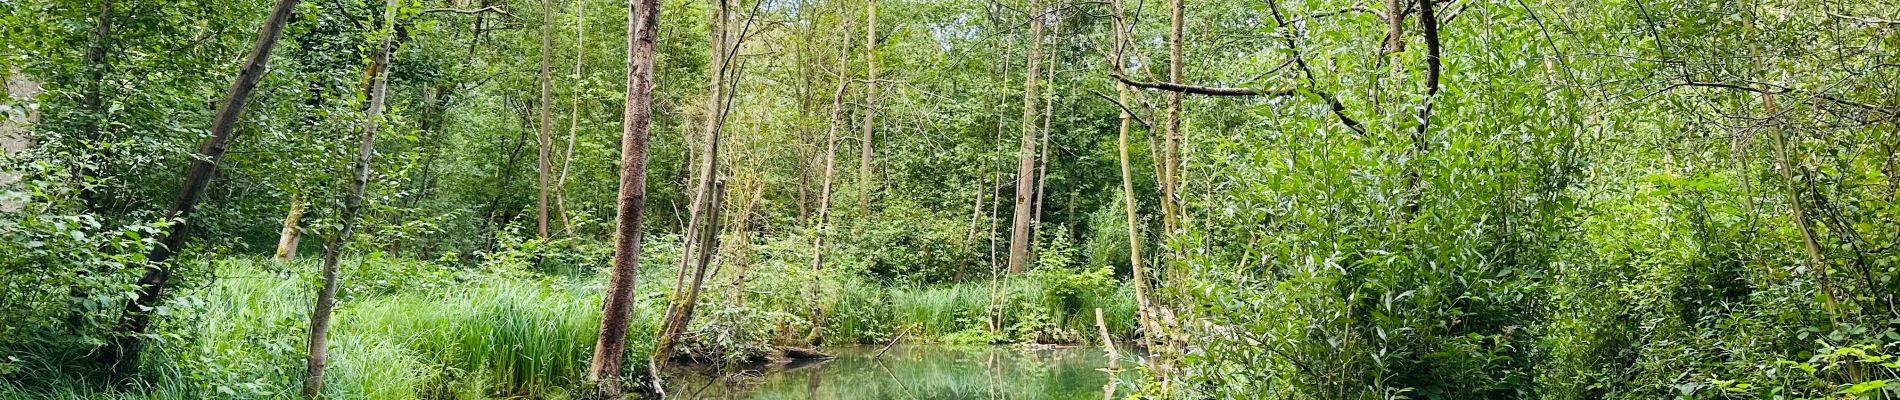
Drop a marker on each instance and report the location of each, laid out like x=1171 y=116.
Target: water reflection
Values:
x=922 y=372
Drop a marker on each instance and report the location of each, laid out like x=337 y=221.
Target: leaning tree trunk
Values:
x=1026 y=156
x=319 y=347
x=616 y=310
x=680 y=312
x=709 y=156
x=123 y=351
x=703 y=223
x=816 y=335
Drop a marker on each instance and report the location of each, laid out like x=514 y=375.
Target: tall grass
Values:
x=412 y=329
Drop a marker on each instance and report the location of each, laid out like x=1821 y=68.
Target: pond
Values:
x=925 y=372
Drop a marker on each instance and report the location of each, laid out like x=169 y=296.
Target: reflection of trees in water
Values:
x=922 y=373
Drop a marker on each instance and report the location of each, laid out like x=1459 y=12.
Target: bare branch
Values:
x=488 y=9
x=1118 y=103
x=1867 y=20
x=1203 y=90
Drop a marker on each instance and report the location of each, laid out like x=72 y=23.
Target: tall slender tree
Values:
x=1143 y=305
x=1171 y=135
x=545 y=138
x=824 y=192
x=865 y=150
x=317 y=356
x=574 y=116
x=643 y=21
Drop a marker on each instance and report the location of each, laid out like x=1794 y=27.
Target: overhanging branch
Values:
x=1203 y=90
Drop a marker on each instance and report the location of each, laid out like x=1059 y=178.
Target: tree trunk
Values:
x=1026 y=156
x=1793 y=193
x=574 y=119
x=709 y=155
x=870 y=108
x=703 y=223
x=680 y=313
x=123 y=350
x=545 y=137
x=1428 y=27
x=97 y=43
x=610 y=345
x=318 y=348
x=1142 y=304
x=969 y=240
x=816 y=336
x=1042 y=157
x=1171 y=134
x=292 y=233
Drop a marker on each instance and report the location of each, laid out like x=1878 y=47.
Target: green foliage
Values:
x=66 y=273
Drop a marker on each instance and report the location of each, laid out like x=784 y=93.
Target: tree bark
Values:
x=292 y=233
x=318 y=348
x=1171 y=134
x=545 y=137
x=610 y=345
x=1026 y=156
x=123 y=351
x=870 y=108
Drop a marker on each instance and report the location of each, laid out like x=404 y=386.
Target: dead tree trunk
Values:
x=292 y=233
x=1026 y=156
x=610 y=345
x=122 y=352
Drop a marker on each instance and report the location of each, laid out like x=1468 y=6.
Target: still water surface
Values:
x=925 y=372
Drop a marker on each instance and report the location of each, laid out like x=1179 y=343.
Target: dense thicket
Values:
x=1340 y=199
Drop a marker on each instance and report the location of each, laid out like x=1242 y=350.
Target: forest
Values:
x=774 y=199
